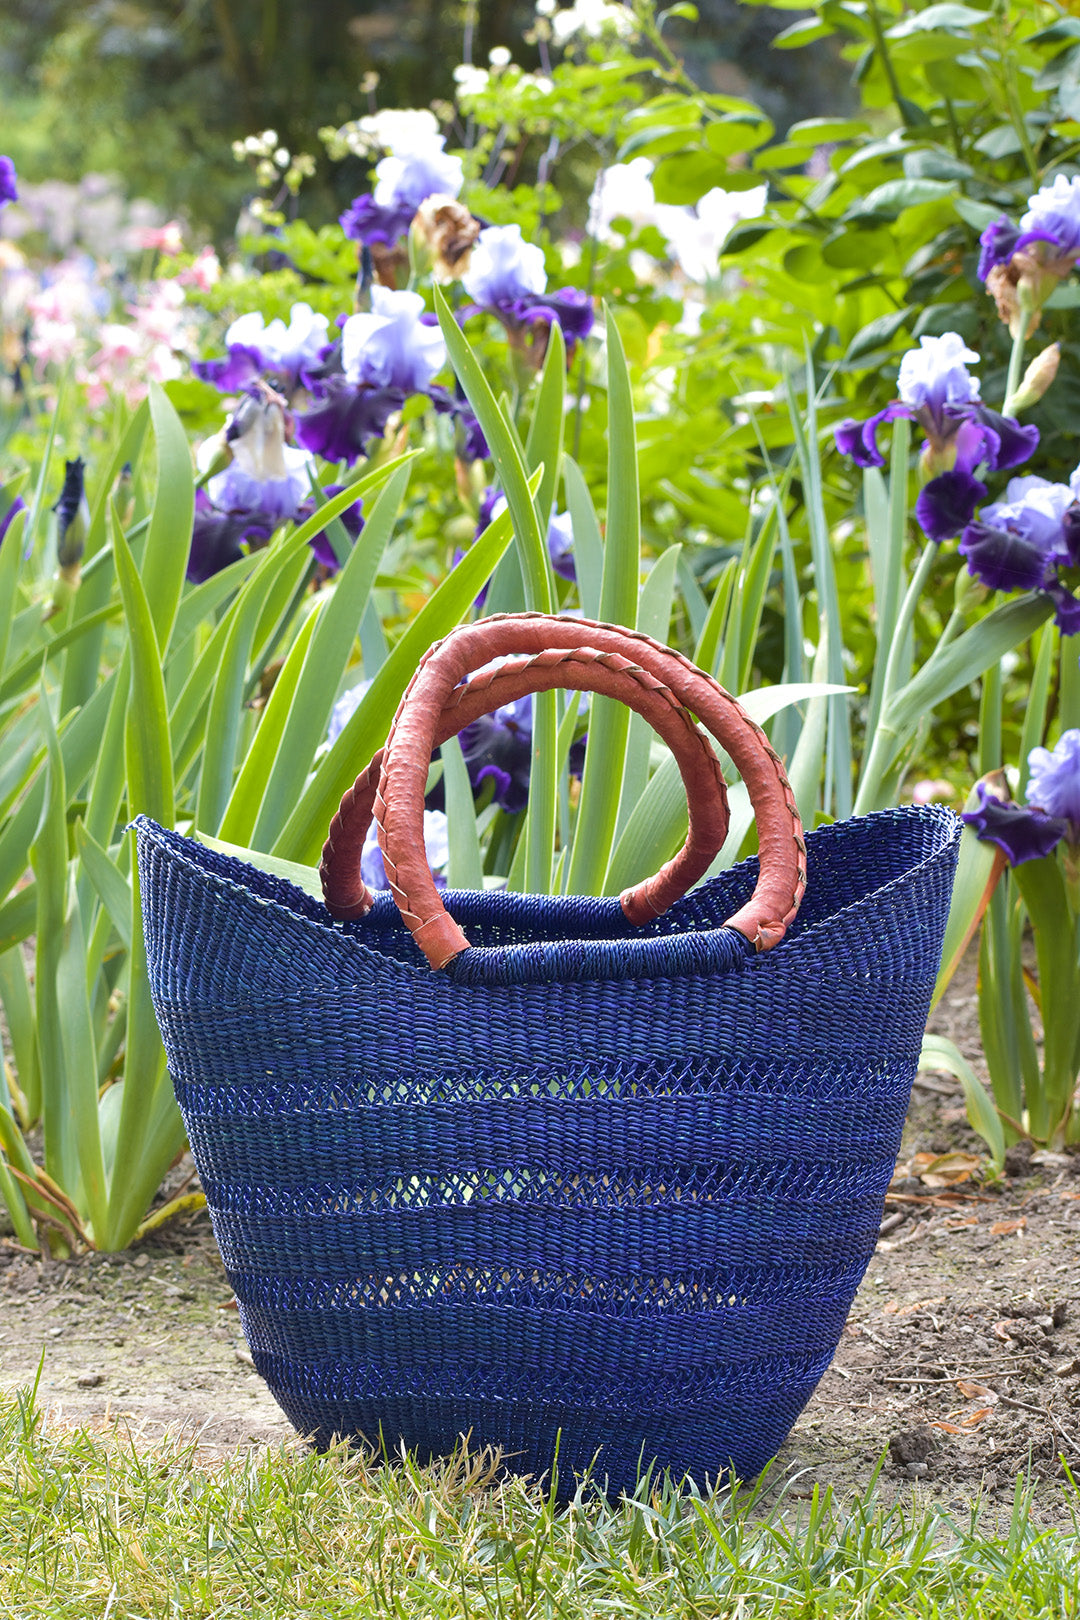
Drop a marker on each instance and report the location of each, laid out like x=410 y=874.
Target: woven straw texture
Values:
x=605 y=1187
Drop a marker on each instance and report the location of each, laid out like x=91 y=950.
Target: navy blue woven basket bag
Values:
x=608 y=1180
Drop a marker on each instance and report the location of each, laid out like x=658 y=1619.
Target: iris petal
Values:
x=1003 y=559
x=1024 y=833
x=947 y=503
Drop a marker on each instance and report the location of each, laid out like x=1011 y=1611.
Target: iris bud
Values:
x=1035 y=381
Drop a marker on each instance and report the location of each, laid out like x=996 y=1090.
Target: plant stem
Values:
x=882 y=48
x=881 y=748
x=1016 y=358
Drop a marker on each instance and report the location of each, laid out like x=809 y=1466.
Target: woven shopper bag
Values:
x=587 y=1179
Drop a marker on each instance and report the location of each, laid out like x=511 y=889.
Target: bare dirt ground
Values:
x=960 y=1361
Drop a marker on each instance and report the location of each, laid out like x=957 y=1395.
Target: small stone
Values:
x=140 y=1261
x=244 y=1356
x=916 y=1470
x=90 y=1380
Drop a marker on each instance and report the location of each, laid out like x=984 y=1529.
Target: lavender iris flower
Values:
x=9 y=190
x=939 y=393
x=436 y=847
x=1028 y=832
x=1023 y=832
x=386 y=355
x=344 y=709
x=560 y=535
x=365 y=221
x=281 y=353
x=393 y=346
x=1052 y=218
x=405 y=179
x=1054 y=781
x=506 y=276
x=504 y=268
x=1021 y=543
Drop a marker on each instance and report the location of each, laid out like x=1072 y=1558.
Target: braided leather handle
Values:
x=581 y=669
x=399 y=799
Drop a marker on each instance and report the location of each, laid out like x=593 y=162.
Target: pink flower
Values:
x=167 y=239
x=204 y=272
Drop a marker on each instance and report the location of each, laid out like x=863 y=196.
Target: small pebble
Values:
x=140 y=1261
x=90 y=1380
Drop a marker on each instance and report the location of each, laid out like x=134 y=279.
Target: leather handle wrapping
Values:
x=399 y=797
x=581 y=669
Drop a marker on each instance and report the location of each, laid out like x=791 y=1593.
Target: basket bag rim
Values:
x=675 y=947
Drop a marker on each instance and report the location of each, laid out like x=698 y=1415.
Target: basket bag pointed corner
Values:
x=588 y=1177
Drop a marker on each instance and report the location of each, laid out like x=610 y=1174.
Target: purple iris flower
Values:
x=405 y=179
x=939 y=393
x=1053 y=218
x=265 y=484
x=366 y=221
x=386 y=355
x=7 y=518
x=506 y=276
x=278 y=352
x=1020 y=543
x=9 y=190
x=344 y=420
x=1024 y=832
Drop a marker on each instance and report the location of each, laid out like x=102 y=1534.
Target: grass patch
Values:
x=95 y=1525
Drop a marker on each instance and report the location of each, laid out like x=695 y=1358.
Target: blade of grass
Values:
x=238 y=822
x=543 y=447
x=838 y=789
x=112 y=887
x=465 y=869
x=147 y=748
x=605 y=756
x=654 y=618
x=10 y=561
x=539 y=587
x=588 y=545
x=49 y=859
x=221 y=675
x=17 y=1002
x=168 y=539
x=327 y=656
x=83 y=661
